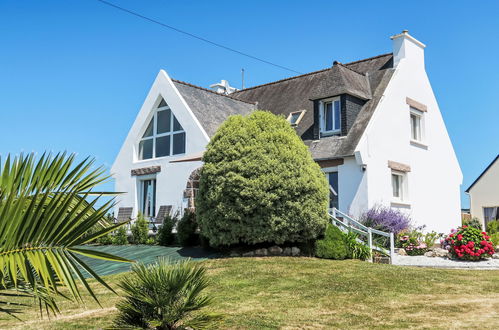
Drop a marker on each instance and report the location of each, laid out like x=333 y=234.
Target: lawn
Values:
x=284 y=292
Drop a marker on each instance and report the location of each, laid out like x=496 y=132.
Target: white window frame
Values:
x=301 y=112
x=403 y=198
x=421 y=116
x=404 y=194
x=322 y=117
x=154 y=135
x=140 y=195
x=327 y=171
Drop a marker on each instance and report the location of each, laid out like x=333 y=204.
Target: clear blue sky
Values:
x=73 y=74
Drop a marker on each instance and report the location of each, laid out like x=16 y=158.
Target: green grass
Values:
x=285 y=292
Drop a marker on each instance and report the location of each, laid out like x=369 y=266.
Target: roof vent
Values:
x=223 y=87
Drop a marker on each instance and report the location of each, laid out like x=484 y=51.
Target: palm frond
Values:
x=46 y=208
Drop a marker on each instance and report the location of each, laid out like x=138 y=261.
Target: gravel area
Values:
x=439 y=262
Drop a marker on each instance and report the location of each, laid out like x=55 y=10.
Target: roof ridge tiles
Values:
x=210 y=91
x=314 y=72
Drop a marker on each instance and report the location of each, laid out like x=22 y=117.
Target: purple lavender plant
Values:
x=386 y=219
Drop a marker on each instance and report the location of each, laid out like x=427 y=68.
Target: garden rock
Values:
x=234 y=254
x=261 y=252
x=249 y=254
x=286 y=251
x=437 y=252
x=275 y=250
x=402 y=252
x=495 y=256
x=295 y=251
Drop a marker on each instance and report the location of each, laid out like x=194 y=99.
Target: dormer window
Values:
x=330 y=116
x=294 y=118
x=164 y=136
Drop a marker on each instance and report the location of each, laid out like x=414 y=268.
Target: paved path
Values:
x=439 y=262
x=142 y=253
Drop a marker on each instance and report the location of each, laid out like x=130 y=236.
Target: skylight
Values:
x=294 y=118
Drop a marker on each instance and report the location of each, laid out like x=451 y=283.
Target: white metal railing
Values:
x=345 y=222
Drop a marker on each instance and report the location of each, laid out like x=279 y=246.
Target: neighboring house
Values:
x=484 y=194
x=374 y=127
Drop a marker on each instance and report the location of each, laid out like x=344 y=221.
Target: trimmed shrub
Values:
x=475 y=223
x=386 y=219
x=186 y=229
x=469 y=243
x=165 y=235
x=140 y=230
x=493 y=227
x=120 y=237
x=259 y=184
x=105 y=240
x=333 y=245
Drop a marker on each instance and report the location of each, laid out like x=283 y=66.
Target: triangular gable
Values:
x=163 y=92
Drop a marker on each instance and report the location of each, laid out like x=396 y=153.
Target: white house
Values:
x=484 y=194
x=374 y=126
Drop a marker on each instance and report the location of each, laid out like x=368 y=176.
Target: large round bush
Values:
x=468 y=243
x=259 y=184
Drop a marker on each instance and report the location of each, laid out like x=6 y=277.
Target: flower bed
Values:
x=468 y=243
x=415 y=243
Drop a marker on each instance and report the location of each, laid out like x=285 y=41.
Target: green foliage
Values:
x=469 y=243
x=105 y=239
x=493 y=227
x=46 y=213
x=164 y=296
x=120 y=237
x=259 y=184
x=333 y=245
x=140 y=230
x=356 y=249
x=165 y=236
x=475 y=223
x=186 y=229
x=494 y=238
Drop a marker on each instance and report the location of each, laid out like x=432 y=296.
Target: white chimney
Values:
x=223 y=87
x=407 y=48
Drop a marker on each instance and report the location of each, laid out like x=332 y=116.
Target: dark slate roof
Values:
x=210 y=108
x=365 y=79
x=483 y=173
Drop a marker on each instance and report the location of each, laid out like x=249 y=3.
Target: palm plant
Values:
x=45 y=215
x=164 y=296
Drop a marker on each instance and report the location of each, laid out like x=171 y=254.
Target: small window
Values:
x=331 y=117
x=294 y=118
x=164 y=135
x=417 y=122
x=332 y=178
x=399 y=186
x=490 y=214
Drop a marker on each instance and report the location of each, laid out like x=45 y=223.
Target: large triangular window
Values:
x=164 y=136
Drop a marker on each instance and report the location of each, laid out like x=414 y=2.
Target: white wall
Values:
x=172 y=179
x=435 y=176
x=485 y=193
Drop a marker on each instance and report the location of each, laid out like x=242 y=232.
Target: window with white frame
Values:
x=330 y=116
x=417 y=125
x=164 y=136
x=295 y=117
x=332 y=178
x=147 y=197
x=399 y=186
x=490 y=214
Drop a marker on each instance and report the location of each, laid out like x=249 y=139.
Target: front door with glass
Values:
x=148 y=197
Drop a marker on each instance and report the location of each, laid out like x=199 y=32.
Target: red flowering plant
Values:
x=468 y=243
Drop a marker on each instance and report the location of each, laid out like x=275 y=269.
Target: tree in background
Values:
x=259 y=184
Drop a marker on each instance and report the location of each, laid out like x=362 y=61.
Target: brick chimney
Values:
x=407 y=48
